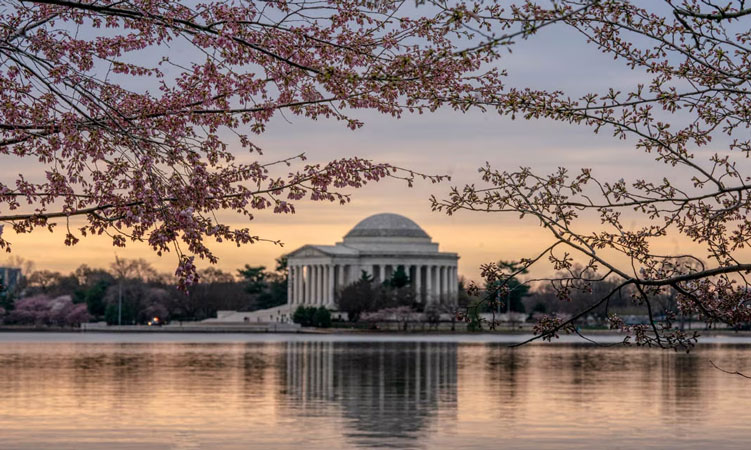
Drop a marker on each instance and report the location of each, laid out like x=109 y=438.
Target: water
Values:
x=273 y=391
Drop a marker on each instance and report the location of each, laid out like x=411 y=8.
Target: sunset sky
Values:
x=445 y=142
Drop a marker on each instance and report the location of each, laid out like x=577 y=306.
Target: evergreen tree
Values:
x=399 y=278
x=358 y=297
x=510 y=291
x=255 y=277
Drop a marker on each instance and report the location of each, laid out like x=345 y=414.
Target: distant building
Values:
x=9 y=279
x=377 y=245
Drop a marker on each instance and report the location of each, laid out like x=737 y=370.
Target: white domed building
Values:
x=377 y=245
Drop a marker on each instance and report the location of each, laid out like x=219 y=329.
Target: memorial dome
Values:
x=387 y=225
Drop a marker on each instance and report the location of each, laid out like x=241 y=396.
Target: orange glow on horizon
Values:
x=477 y=238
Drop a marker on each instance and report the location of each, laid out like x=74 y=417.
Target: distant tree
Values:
x=139 y=269
x=87 y=276
x=33 y=310
x=358 y=297
x=399 y=278
x=507 y=295
x=547 y=298
x=140 y=302
x=275 y=293
x=65 y=285
x=42 y=310
x=77 y=315
x=203 y=300
x=367 y=296
x=92 y=288
x=269 y=288
x=393 y=297
x=255 y=278
x=365 y=276
x=43 y=280
x=463 y=298
x=94 y=295
x=281 y=265
x=514 y=291
x=474 y=309
x=212 y=275
x=155 y=305
x=123 y=302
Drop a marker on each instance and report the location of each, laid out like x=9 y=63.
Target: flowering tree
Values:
x=43 y=310
x=696 y=58
x=136 y=139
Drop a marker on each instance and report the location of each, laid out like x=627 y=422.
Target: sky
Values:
x=444 y=142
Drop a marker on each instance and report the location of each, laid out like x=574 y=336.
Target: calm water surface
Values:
x=227 y=392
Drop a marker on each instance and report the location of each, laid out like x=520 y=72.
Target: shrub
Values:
x=310 y=316
x=322 y=318
x=304 y=315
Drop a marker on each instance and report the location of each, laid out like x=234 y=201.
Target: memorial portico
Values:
x=377 y=246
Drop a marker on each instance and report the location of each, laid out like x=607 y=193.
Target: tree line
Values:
x=131 y=291
x=394 y=299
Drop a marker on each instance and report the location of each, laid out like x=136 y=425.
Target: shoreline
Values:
x=602 y=341
x=277 y=329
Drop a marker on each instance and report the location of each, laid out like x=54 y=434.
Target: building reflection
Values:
x=382 y=390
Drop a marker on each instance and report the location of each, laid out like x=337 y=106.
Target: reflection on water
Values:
x=385 y=392
x=328 y=394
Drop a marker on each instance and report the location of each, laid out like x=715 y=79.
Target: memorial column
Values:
x=298 y=284
x=330 y=270
x=417 y=283
x=444 y=283
x=322 y=284
x=291 y=286
x=308 y=283
x=428 y=284
x=317 y=284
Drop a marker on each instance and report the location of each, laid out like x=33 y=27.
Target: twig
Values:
x=727 y=371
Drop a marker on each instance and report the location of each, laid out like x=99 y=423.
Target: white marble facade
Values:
x=377 y=245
